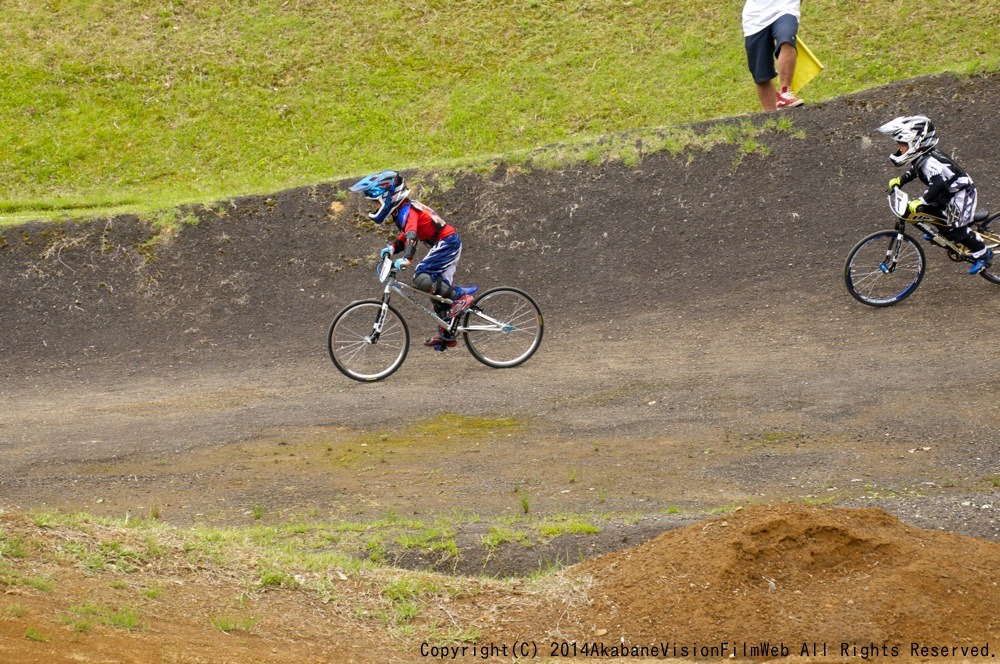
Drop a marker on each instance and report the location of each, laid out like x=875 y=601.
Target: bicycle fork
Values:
x=380 y=320
x=892 y=254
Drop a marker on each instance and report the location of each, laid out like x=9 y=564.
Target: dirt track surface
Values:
x=701 y=351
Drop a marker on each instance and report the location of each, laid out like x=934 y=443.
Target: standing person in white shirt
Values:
x=769 y=29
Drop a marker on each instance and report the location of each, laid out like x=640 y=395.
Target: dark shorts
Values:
x=762 y=47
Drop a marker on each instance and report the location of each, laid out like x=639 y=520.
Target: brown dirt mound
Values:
x=795 y=573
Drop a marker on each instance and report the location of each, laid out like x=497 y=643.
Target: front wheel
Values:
x=502 y=327
x=990 y=236
x=366 y=345
x=884 y=268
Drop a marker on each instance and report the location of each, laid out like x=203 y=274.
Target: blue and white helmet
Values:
x=386 y=190
x=917 y=131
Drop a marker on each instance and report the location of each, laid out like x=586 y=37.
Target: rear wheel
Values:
x=884 y=268
x=992 y=238
x=366 y=346
x=502 y=327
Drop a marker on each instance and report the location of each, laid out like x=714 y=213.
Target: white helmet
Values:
x=917 y=131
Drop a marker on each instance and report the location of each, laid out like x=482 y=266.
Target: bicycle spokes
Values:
x=503 y=327
x=884 y=268
x=368 y=341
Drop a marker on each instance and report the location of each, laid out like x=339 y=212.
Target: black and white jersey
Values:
x=943 y=177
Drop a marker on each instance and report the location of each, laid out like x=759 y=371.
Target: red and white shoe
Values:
x=442 y=340
x=785 y=99
x=460 y=305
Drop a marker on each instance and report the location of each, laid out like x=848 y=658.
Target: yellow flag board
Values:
x=806 y=66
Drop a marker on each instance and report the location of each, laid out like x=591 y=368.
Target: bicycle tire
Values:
x=507 y=327
x=867 y=280
x=351 y=350
x=992 y=272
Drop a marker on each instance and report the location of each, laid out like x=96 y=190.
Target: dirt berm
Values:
x=701 y=353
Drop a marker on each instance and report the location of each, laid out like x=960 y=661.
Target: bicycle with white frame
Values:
x=369 y=339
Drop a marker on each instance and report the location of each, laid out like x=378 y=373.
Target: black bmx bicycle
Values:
x=887 y=266
x=369 y=339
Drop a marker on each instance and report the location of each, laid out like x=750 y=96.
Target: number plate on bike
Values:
x=384 y=269
x=898 y=202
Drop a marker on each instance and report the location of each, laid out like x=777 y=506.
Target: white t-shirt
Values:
x=758 y=14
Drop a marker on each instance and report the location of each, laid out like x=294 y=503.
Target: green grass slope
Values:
x=144 y=104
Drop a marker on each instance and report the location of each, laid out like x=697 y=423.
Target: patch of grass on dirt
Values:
x=820 y=500
x=567 y=525
x=276 y=578
x=753 y=440
x=724 y=509
x=435 y=539
x=165 y=225
x=79 y=624
x=227 y=623
x=15 y=611
x=98 y=555
x=448 y=425
x=41 y=583
x=153 y=591
x=33 y=634
x=548 y=567
x=82 y=616
x=320 y=448
x=12 y=547
x=500 y=535
x=403 y=597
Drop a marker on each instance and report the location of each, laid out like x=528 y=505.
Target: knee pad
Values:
x=423 y=282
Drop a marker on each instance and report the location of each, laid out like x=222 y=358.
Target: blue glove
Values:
x=385 y=253
x=913 y=207
x=400 y=263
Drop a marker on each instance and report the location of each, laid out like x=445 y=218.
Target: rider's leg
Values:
x=437 y=271
x=445 y=338
x=443 y=289
x=434 y=284
x=971 y=240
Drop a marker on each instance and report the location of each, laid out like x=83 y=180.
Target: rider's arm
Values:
x=409 y=235
x=410 y=247
x=901 y=180
x=937 y=190
x=908 y=175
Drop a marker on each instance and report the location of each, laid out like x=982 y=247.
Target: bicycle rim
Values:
x=351 y=344
x=503 y=327
x=992 y=271
x=874 y=281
